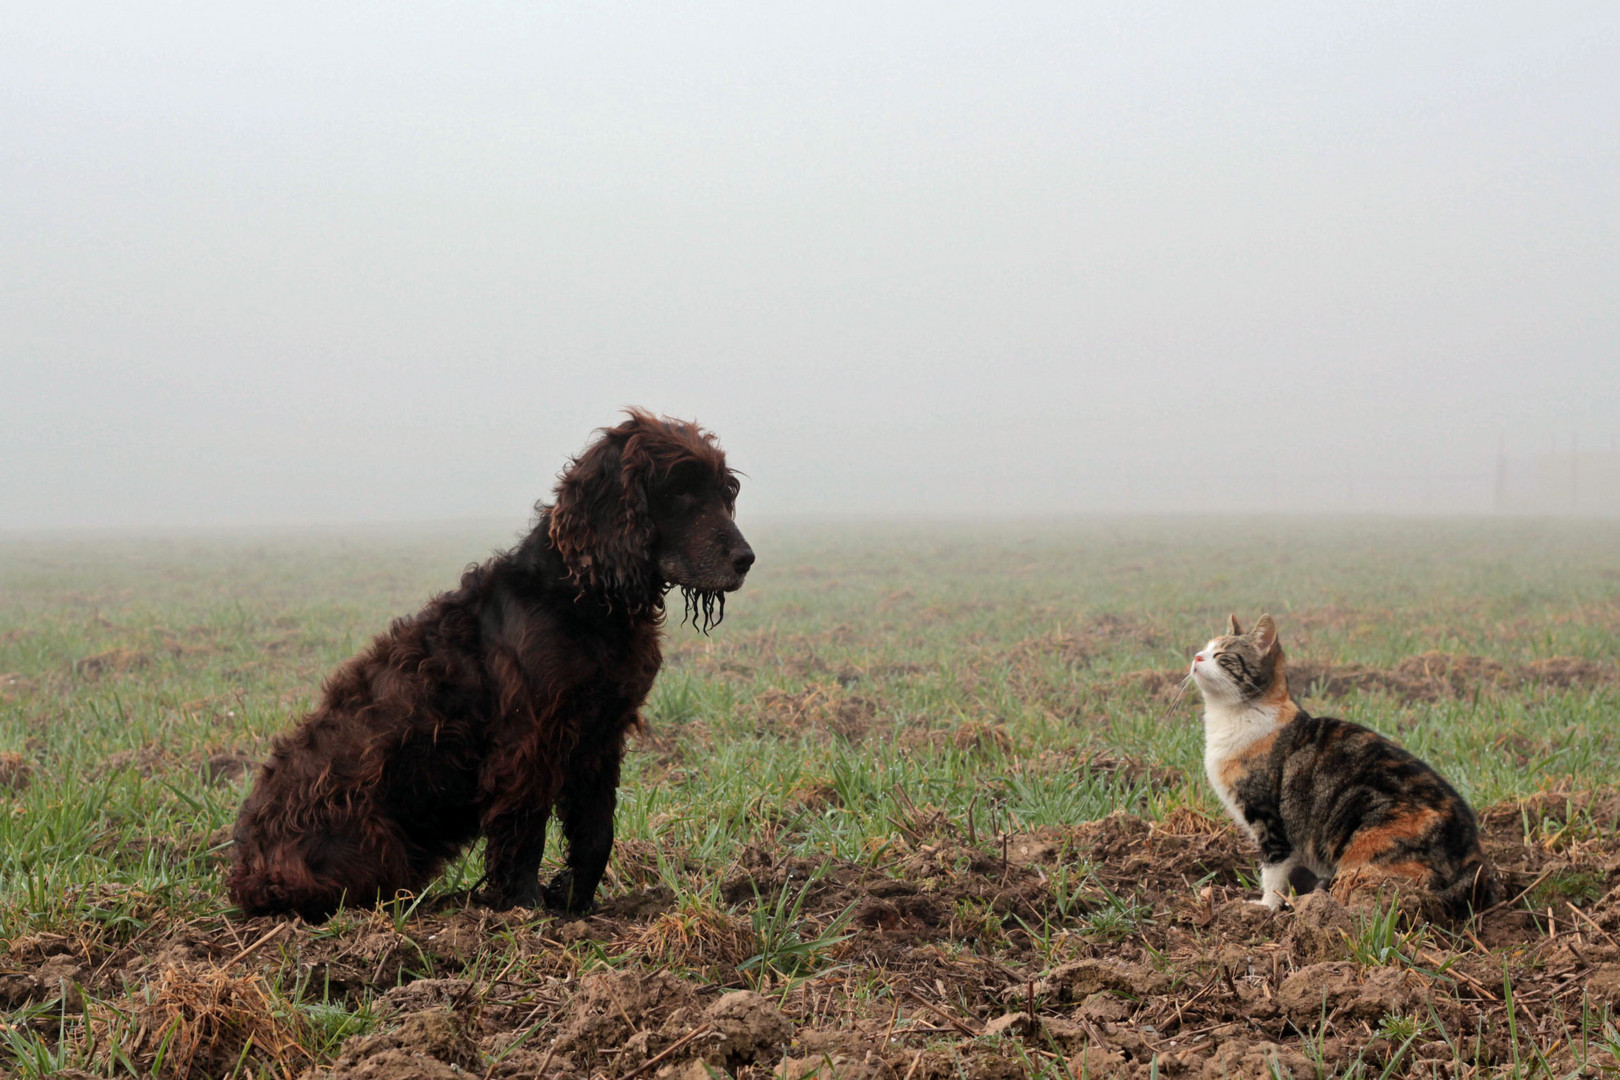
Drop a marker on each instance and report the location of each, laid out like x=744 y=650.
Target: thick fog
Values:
x=309 y=263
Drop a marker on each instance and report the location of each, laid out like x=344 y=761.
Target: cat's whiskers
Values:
x=1181 y=692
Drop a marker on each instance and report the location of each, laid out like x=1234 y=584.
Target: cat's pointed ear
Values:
x=1265 y=633
x=1232 y=626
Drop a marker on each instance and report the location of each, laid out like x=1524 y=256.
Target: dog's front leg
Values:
x=585 y=810
x=515 y=841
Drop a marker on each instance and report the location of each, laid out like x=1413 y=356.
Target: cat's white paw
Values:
x=1273 y=902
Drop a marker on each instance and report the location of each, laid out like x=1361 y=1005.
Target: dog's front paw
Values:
x=562 y=895
x=505 y=899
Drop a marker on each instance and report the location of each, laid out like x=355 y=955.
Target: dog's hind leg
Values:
x=316 y=874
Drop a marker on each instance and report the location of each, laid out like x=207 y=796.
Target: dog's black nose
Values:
x=743 y=560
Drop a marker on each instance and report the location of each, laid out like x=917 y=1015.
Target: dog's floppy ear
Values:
x=600 y=524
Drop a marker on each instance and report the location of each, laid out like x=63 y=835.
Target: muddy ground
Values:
x=963 y=957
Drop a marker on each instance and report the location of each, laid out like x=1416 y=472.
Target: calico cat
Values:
x=1325 y=794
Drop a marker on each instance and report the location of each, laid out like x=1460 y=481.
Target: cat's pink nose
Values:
x=1198 y=658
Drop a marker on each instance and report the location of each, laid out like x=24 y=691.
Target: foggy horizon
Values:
x=307 y=267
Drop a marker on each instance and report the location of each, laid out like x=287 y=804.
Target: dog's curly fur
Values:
x=504 y=700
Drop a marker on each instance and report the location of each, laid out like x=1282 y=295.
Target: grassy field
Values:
x=928 y=793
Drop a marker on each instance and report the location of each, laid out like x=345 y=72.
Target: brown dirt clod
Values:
x=428 y=1045
x=1319 y=930
x=15 y=771
x=612 y=1006
x=1343 y=987
x=747 y=1028
x=1078 y=980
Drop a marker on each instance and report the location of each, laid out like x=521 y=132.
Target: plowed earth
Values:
x=1120 y=947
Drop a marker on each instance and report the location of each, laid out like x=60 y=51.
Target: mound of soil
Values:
x=819 y=708
x=111 y=662
x=1077 y=646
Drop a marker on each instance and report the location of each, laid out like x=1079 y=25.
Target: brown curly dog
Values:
x=503 y=701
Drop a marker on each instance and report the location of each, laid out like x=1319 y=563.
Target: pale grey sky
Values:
x=311 y=262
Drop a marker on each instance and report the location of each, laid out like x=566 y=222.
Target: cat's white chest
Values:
x=1228 y=732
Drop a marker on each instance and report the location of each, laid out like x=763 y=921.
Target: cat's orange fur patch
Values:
x=1370 y=843
x=1277 y=696
x=1239 y=763
x=1286 y=709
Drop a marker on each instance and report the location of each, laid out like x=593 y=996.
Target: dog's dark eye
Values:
x=678 y=498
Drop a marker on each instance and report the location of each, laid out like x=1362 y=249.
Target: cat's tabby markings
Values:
x=1325 y=794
